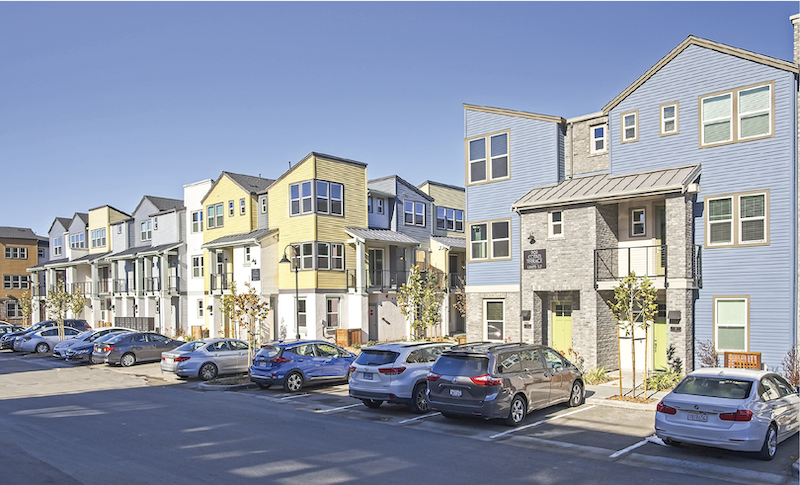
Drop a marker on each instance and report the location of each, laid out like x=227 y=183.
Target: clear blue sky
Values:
x=102 y=103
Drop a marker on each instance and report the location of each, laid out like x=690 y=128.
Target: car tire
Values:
x=419 y=399
x=770 y=446
x=42 y=348
x=127 y=360
x=372 y=403
x=671 y=442
x=207 y=371
x=293 y=382
x=263 y=386
x=517 y=411
x=576 y=396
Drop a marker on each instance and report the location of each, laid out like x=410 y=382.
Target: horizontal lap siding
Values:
x=765 y=273
x=420 y=233
x=225 y=191
x=534 y=161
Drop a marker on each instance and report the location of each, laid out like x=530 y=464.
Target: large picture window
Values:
x=740 y=114
x=730 y=324
x=488 y=158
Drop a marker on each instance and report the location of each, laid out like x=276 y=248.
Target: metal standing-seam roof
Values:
x=451 y=242
x=233 y=239
x=593 y=188
x=380 y=235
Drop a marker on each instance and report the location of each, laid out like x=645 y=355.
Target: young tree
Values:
x=59 y=301
x=420 y=299
x=26 y=305
x=634 y=305
x=248 y=310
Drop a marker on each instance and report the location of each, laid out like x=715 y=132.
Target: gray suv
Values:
x=504 y=381
x=394 y=372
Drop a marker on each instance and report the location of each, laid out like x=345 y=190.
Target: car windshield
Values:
x=269 y=352
x=714 y=387
x=461 y=365
x=84 y=335
x=190 y=346
x=113 y=338
x=376 y=357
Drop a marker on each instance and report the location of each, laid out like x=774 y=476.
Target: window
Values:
x=200 y=308
x=737 y=220
x=556 y=224
x=98 y=237
x=441 y=218
x=301 y=314
x=215 y=216
x=379 y=203
x=230 y=208
x=197 y=221
x=147 y=230
x=449 y=219
x=247 y=254
x=306 y=197
x=459 y=220
x=40 y=252
x=337 y=257
x=369 y=205
x=637 y=222
x=483 y=168
x=730 y=324
x=414 y=213
x=16 y=252
x=57 y=249
x=76 y=241
x=16 y=282
x=155 y=223
x=242 y=206
x=13 y=309
x=753 y=119
x=493 y=319
x=490 y=240
x=323 y=256
x=322 y=197
x=197 y=266
x=119 y=229
x=327 y=256
x=333 y=312
x=669 y=119
x=328 y=196
x=630 y=126
x=598 y=138
x=264 y=205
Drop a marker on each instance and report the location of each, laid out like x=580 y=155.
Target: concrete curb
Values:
x=205 y=386
x=621 y=404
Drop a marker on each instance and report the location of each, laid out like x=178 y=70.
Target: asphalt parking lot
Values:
x=596 y=431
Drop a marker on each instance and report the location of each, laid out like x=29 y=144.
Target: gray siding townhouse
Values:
x=689 y=177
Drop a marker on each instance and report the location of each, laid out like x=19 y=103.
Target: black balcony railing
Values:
x=221 y=281
x=611 y=264
x=456 y=280
x=39 y=291
x=152 y=284
x=697 y=266
x=83 y=288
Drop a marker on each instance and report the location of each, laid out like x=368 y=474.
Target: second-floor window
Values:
x=197 y=221
x=637 y=222
x=488 y=158
x=76 y=241
x=16 y=252
x=739 y=219
x=215 y=216
x=147 y=231
x=98 y=237
x=556 y=224
x=16 y=282
x=318 y=256
x=57 y=248
x=329 y=197
x=598 y=138
x=736 y=115
x=449 y=219
x=414 y=213
x=197 y=266
x=490 y=240
x=242 y=207
x=630 y=126
x=669 y=119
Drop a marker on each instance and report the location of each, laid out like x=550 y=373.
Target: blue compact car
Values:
x=296 y=363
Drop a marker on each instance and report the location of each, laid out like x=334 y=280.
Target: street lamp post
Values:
x=296 y=291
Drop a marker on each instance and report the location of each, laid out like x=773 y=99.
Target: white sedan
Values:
x=41 y=341
x=732 y=409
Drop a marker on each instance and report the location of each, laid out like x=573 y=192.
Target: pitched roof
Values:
x=320 y=155
x=518 y=114
x=17 y=233
x=439 y=184
x=64 y=221
x=379 y=235
x=604 y=187
x=250 y=183
x=399 y=179
x=233 y=239
x=83 y=216
x=165 y=204
x=708 y=44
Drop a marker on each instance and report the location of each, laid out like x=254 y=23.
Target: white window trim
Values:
x=486 y=320
x=302 y=310
x=200 y=308
x=551 y=224
x=242 y=207
x=482 y=241
x=593 y=139
x=746 y=324
x=492 y=239
x=704 y=122
x=264 y=205
x=200 y=266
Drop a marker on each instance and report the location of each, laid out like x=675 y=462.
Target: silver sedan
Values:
x=207 y=358
x=732 y=409
x=41 y=341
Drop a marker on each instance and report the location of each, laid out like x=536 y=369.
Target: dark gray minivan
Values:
x=495 y=380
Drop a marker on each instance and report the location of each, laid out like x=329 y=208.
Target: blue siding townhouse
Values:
x=689 y=176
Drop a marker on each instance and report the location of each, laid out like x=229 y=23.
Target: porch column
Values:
x=680 y=285
x=360 y=267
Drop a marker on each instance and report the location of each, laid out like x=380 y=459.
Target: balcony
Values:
x=124 y=286
x=84 y=288
x=104 y=287
x=456 y=281
x=378 y=280
x=221 y=281
x=152 y=284
x=174 y=285
x=611 y=264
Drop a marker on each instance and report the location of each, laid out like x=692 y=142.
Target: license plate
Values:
x=693 y=416
x=262 y=364
x=455 y=392
x=368 y=376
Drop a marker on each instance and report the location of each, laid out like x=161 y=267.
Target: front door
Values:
x=660 y=343
x=562 y=327
x=373 y=323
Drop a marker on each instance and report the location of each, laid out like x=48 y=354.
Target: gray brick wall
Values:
x=474 y=318
x=577 y=147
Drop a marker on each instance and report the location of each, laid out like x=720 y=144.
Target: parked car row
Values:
x=8 y=339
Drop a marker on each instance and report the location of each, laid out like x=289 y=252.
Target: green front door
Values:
x=562 y=327
x=660 y=344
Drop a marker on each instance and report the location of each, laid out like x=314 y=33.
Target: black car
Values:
x=7 y=340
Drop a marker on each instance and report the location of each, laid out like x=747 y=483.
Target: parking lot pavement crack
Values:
x=705 y=470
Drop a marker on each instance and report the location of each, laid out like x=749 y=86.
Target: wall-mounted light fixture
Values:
x=531 y=239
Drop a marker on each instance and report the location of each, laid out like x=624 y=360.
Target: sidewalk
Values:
x=599 y=394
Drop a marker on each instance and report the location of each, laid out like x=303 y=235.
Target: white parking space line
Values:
x=537 y=423
x=336 y=409
x=295 y=396
x=631 y=447
x=419 y=417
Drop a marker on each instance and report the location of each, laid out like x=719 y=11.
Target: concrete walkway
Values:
x=599 y=394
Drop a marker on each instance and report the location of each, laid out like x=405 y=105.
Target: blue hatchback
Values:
x=297 y=362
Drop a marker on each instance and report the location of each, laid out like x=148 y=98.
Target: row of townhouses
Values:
x=352 y=241
x=689 y=177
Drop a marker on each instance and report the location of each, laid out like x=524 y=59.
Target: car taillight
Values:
x=26 y=338
x=278 y=360
x=108 y=348
x=392 y=371
x=182 y=358
x=486 y=380
x=663 y=408
x=352 y=368
x=433 y=376
x=740 y=415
